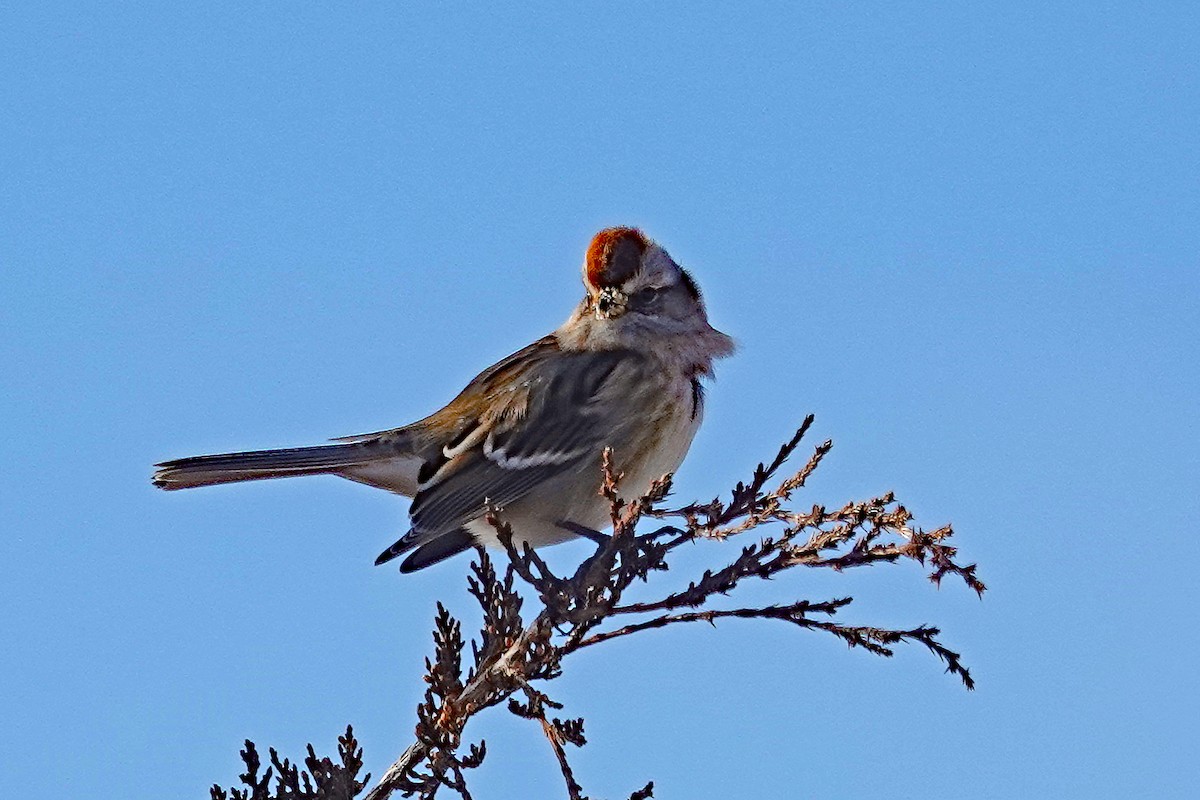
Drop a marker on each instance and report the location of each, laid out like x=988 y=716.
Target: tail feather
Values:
x=428 y=551
x=441 y=548
x=185 y=473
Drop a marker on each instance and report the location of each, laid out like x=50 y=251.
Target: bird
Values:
x=526 y=436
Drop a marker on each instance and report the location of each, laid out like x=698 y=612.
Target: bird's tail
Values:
x=185 y=473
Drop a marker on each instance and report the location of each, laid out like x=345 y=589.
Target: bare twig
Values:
x=580 y=610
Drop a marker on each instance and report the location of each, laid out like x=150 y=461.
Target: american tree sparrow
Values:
x=527 y=434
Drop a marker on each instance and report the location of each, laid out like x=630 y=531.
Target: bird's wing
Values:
x=501 y=459
x=557 y=416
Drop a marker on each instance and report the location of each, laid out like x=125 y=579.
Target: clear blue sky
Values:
x=965 y=236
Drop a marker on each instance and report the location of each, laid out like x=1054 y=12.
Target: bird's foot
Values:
x=586 y=532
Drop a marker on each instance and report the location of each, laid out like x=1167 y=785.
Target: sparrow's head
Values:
x=638 y=297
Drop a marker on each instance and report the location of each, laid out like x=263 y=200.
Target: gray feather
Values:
x=378 y=462
x=563 y=429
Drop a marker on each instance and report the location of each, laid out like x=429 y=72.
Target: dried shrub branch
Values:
x=516 y=649
x=579 y=610
x=321 y=778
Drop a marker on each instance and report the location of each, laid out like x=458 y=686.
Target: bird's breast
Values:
x=664 y=439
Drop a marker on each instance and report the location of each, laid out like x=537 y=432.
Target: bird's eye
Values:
x=647 y=299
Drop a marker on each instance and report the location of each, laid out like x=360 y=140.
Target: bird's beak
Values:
x=611 y=303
